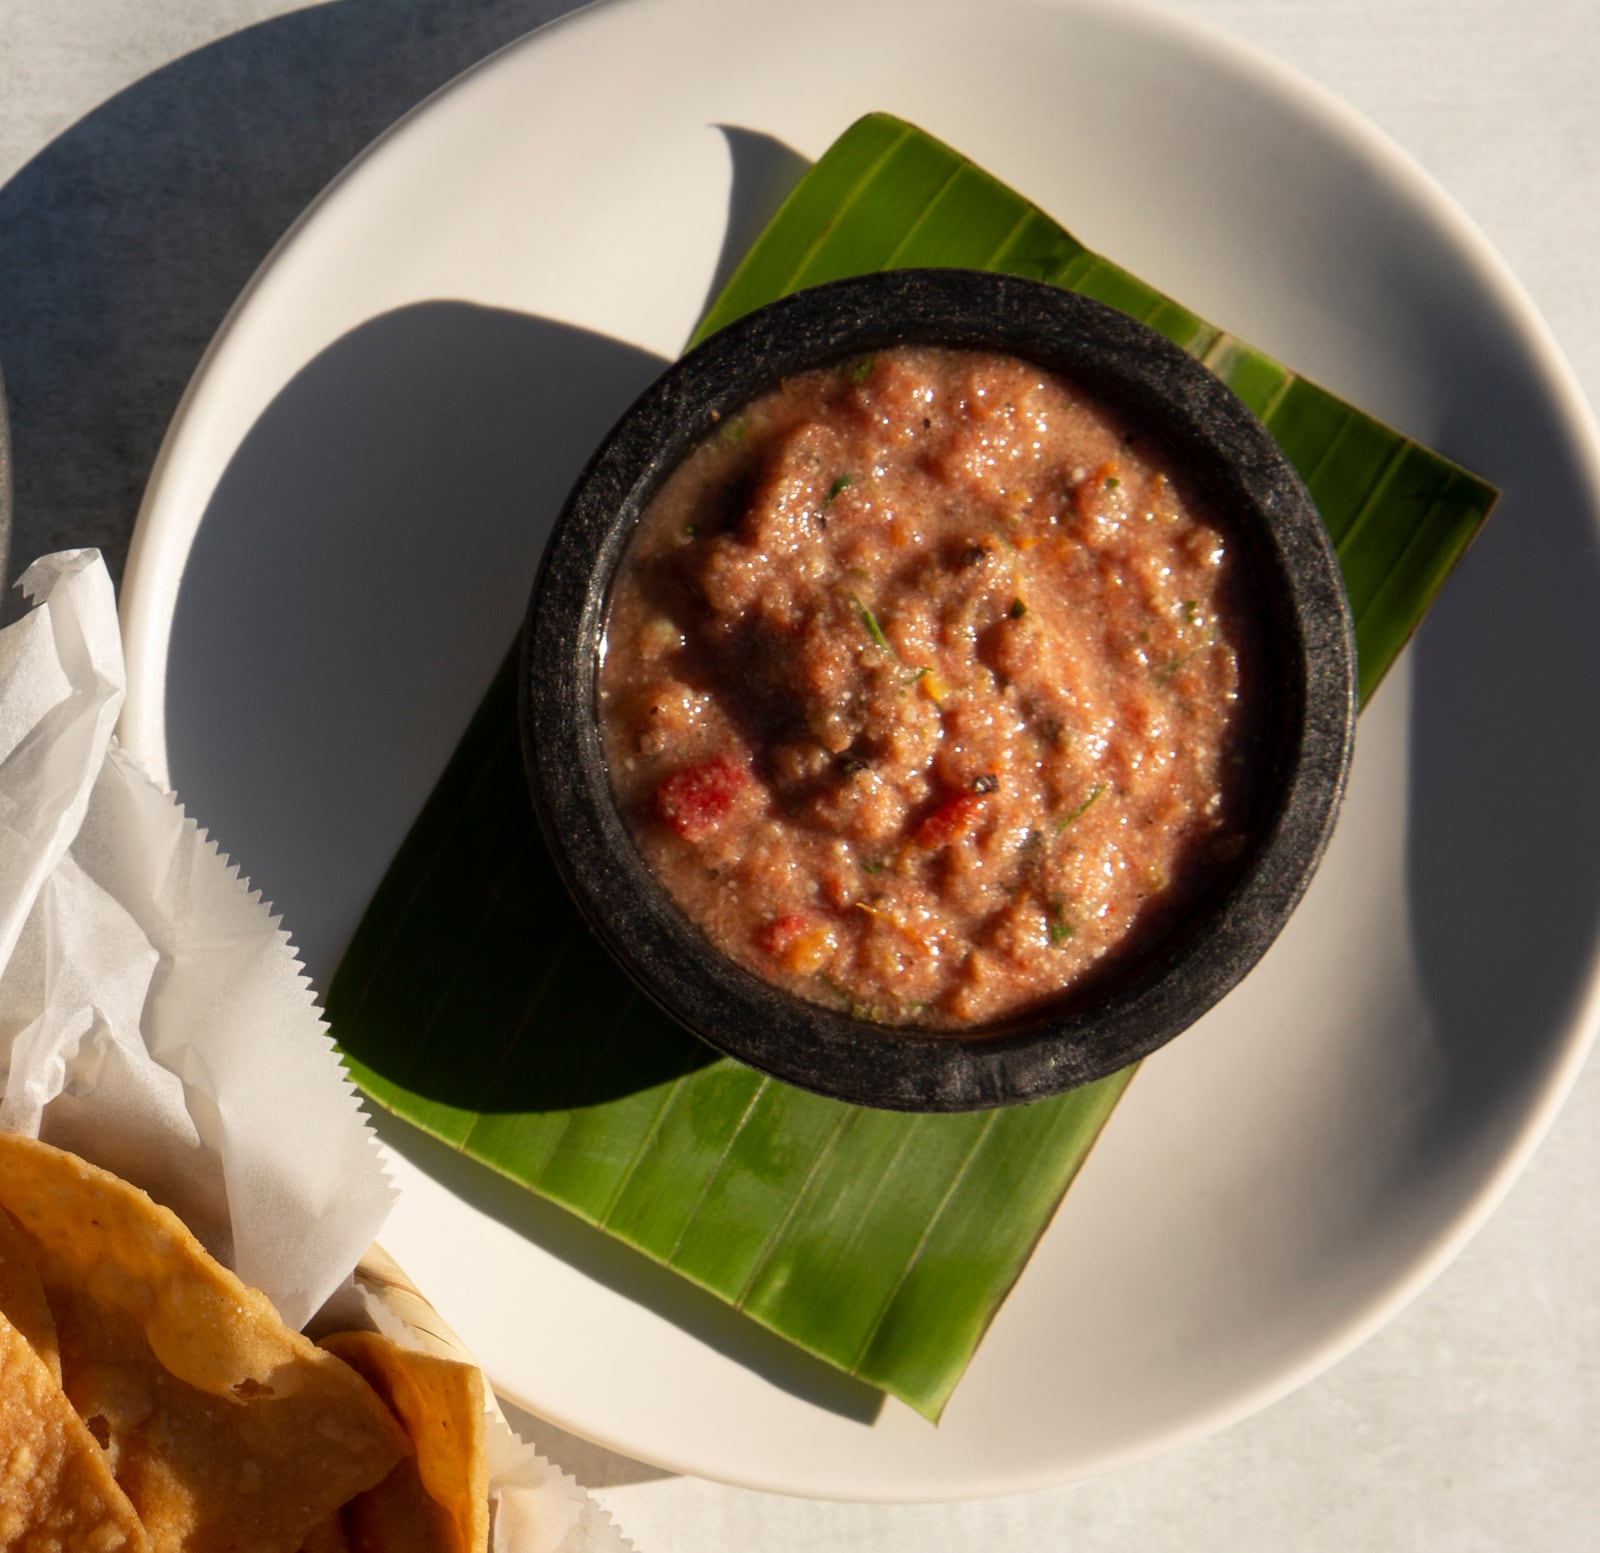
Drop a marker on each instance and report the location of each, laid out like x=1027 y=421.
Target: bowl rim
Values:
x=1311 y=644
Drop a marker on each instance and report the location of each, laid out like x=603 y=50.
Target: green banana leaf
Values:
x=474 y=1004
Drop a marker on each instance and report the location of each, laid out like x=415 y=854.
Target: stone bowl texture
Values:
x=1309 y=652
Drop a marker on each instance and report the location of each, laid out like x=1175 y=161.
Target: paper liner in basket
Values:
x=153 y=1017
x=155 y=1020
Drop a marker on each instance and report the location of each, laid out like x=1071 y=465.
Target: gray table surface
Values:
x=151 y=152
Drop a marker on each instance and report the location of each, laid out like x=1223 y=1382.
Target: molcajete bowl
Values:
x=1300 y=750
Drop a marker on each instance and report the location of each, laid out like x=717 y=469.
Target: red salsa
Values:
x=929 y=687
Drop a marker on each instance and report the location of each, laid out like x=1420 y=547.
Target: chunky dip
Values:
x=928 y=688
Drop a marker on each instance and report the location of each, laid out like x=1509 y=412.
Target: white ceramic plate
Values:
x=339 y=536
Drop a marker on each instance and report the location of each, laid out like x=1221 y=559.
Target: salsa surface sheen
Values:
x=929 y=687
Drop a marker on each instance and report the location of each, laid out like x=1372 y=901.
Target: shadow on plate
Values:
x=764 y=170
x=1503 y=834
x=358 y=574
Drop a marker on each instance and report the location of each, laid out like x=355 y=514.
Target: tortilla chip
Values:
x=328 y=1536
x=224 y=1428
x=440 y=1500
x=398 y=1516
x=56 y=1489
x=22 y=1296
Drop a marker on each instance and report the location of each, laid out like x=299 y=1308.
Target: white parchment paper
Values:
x=155 y=1020
x=152 y=1014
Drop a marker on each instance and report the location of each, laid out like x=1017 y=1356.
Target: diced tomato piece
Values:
x=776 y=936
x=953 y=818
x=798 y=942
x=695 y=800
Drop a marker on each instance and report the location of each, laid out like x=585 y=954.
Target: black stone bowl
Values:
x=1309 y=653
